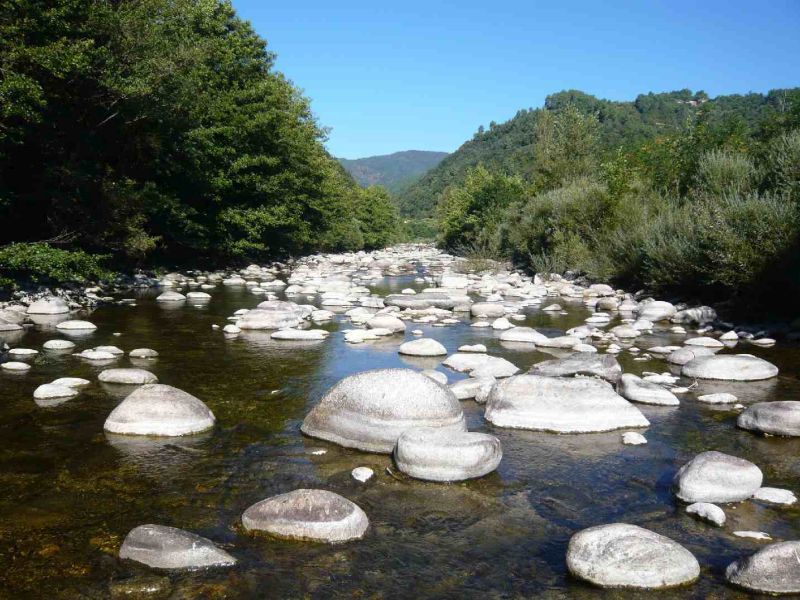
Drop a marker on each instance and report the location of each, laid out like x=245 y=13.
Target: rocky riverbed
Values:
x=390 y=424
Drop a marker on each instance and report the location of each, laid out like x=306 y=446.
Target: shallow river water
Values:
x=69 y=493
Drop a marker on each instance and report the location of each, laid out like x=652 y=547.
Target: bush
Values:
x=723 y=172
x=41 y=263
x=783 y=164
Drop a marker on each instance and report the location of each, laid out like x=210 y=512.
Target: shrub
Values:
x=722 y=172
x=782 y=164
x=42 y=263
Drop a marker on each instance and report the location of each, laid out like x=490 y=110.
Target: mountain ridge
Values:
x=394 y=171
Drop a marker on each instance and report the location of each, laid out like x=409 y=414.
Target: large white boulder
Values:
x=163 y=547
x=170 y=297
x=446 y=455
x=490 y=310
x=775 y=418
x=480 y=365
x=389 y=322
x=315 y=515
x=370 y=410
x=562 y=405
x=716 y=477
x=76 y=326
x=307 y=335
x=620 y=555
x=774 y=569
x=159 y=410
x=656 y=311
x=526 y=335
x=730 y=367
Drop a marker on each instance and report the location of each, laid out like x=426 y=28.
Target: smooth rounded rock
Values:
x=50 y=391
x=446 y=455
x=681 y=356
x=422 y=347
x=163 y=547
x=143 y=353
x=48 y=306
x=272 y=314
x=491 y=310
x=657 y=311
x=170 y=297
x=480 y=365
x=633 y=438
x=775 y=418
x=730 y=367
x=604 y=366
x=362 y=474
x=718 y=398
x=716 y=477
x=159 y=410
x=15 y=366
x=76 y=326
x=771 y=495
x=73 y=382
x=707 y=512
x=307 y=335
x=774 y=569
x=127 y=376
x=370 y=410
x=627 y=556
x=389 y=322
x=526 y=335
x=634 y=388
x=561 y=405
x=315 y=515
x=58 y=345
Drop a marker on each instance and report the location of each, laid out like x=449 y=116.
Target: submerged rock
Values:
x=775 y=418
x=716 y=477
x=163 y=547
x=127 y=376
x=730 y=367
x=159 y=410
x=627 y=556
x=370 y=410
x=708 y=512
x=446 y=455
x=633 y=438
x=603 y=366
x=634 y=388
x=562 y=405
x=774 y=569
x=315 y=515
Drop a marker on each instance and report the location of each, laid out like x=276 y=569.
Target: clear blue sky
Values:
x=388 y=76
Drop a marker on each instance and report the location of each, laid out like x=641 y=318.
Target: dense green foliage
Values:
x=512 y=147
x=394 y=171
x=41 y=263
x=160 y=130
x=711 y=209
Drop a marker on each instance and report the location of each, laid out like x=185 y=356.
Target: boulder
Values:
x=635 y=389
x=522 y=334
x=389 y=322
x=633 y=438
x=48 y=306
x=604 y=366
x=564 y=342
x=681 y=356
x=58 y=345
x=170 y=297
x=127 y=376
x=627 y=556
x=15 y=366
x=657 y=311
x=480 y=365
x=52 y=391
x=771 y=495
x=470 y=389
x=695 y=316
x=491 y=310
x=300 y=334
x=159 y=410
x=775 y=418
x=424 y=300
x=446 y=455
x=774 y=569
x=143 y=353
x=370 y=410
x=718 y=398
x=73 y=382
x=562 y=405
x=272 y=314
x=716 y=477
x=76 y=326
x=704 y=342
x=315 y=515
x=422 y=347
x=730 y=367
x=708 y=512
x=163 y=547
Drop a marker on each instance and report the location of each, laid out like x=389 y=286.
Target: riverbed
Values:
x=70 y=493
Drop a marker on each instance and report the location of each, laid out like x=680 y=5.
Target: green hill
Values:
x=393 y=171
x=509 y=146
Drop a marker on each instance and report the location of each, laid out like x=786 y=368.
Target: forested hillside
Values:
x=511 y=146
x=674 y=193
x=394 y=171
x=160 y=130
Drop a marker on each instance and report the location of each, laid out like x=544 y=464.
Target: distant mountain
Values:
x=393 y=171
x=508 y=146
